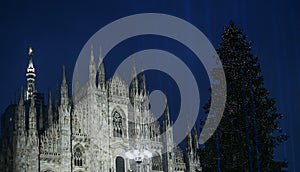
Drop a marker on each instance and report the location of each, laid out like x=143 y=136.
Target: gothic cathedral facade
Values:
x=92 y=131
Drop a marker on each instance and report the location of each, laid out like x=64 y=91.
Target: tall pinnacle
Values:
x=195 y=138
x=142 y=83
x=101 y=72
x=167 y=114
x=64 y=80
x=32 y=116
x=20 y=120
x=64 y=89
x=76 y=78
x=134 y=81
x=188 y=138
x=41 y=118
x=20 y=100
x=92 y=70
x=50 y=112
x=30 y=77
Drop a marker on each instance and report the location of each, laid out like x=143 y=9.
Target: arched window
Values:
x=120 y=166
x=117 y=125
x=78 y=157
x=156 y=163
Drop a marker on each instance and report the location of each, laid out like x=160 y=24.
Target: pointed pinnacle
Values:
x=195 y=130
x=134 y=70
x=49 y=98
x=92 y=53
x=76 y=78
x=100 y=56
x=188 y=126
x=64 y=81
x=20 y=96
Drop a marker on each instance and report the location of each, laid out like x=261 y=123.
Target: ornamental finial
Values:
x=30 y=51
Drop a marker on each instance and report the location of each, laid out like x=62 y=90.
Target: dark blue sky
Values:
x=58 y=30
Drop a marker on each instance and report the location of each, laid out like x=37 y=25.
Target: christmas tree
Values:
x=249 y=130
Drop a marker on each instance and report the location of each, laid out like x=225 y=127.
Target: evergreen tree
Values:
x=249 y=130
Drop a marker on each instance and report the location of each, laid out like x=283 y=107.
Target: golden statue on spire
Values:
x=30 y=51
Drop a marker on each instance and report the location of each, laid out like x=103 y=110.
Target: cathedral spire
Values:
x=142 y=83
x=64 y=89
x=188 y=138
x=56 y=96
x=30 y=77
x=101 y=72
x=76 y=78
x=56 y=103
x=20 y=100
x=134 y=81
x=92 y=70
x=195 y=139
x=32 y=116
x=64 y=80
x=41 y=118
x=167 y=120
x=20 y=122
x=50 y=113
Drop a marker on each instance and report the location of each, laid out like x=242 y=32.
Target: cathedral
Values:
x=104 y=127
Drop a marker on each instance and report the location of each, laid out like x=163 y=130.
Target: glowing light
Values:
x=30 y=51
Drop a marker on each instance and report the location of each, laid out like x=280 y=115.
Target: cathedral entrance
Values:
x=120 y=165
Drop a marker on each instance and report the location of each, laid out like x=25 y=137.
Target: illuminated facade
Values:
x=92 y=131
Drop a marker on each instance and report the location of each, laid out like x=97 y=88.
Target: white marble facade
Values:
x=92 y=131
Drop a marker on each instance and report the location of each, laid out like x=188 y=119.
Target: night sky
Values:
x=57 y=31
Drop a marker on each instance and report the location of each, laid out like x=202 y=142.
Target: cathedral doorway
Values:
x=120 y=165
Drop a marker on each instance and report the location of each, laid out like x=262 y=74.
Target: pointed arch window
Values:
x=156 y=163
x=117 y=125
x=78 y=157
